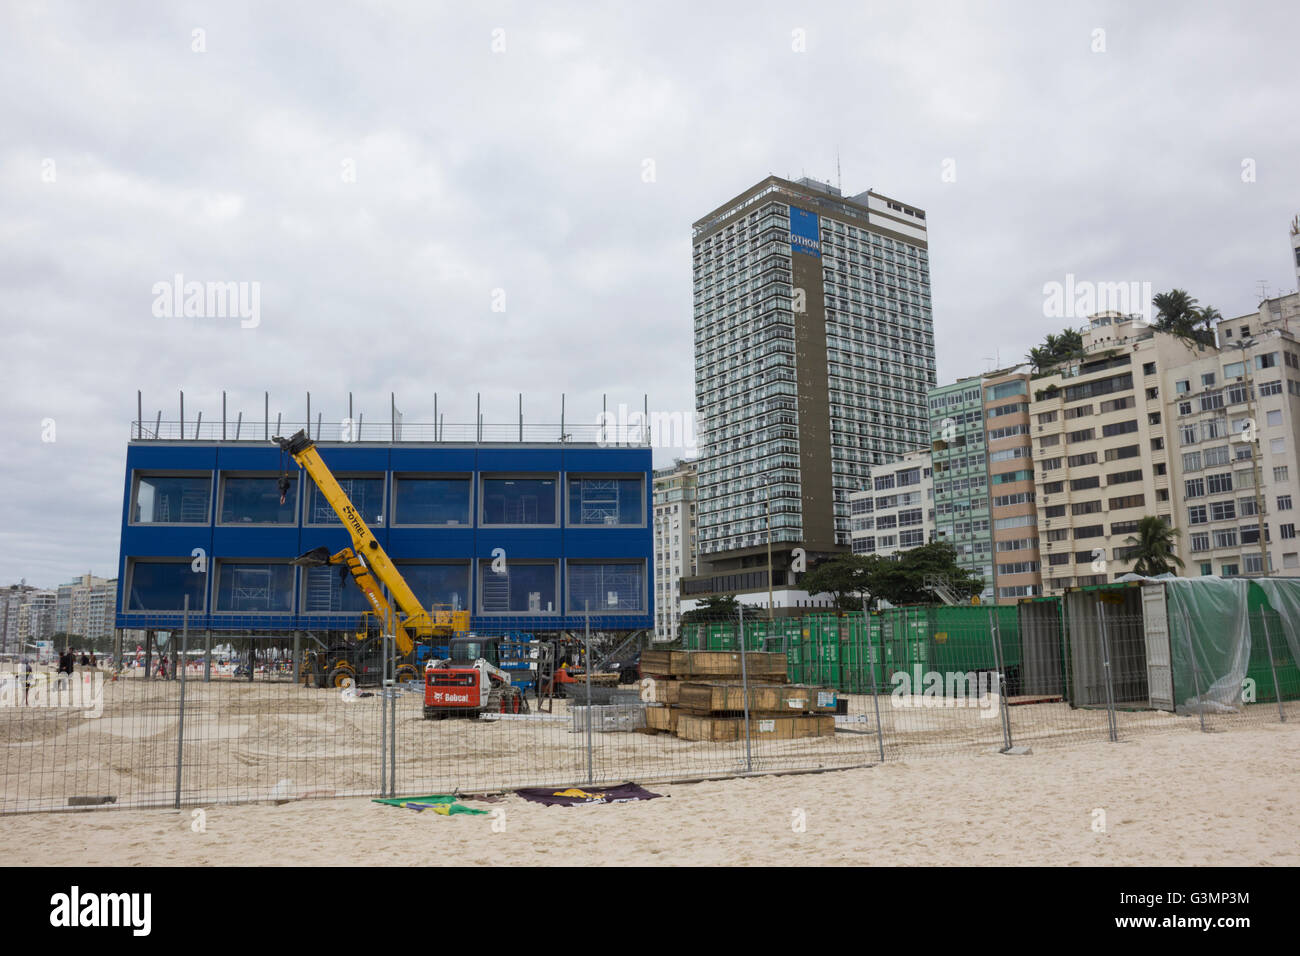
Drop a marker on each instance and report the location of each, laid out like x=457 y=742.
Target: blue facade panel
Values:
x=167 y=542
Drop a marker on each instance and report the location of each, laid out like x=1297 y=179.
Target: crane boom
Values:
x=367 y=560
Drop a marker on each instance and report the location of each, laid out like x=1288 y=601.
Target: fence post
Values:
x=390 y=679
x=586 y=669
x=207 y=655
x=996 y=637
x=180 y=727
x=383 y=710
x=1111 y=726
x=1196 y=669
x=744 y=685
x=1272 y=666
x=879 y=661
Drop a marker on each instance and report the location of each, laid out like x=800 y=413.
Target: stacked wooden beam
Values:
x=698 y=695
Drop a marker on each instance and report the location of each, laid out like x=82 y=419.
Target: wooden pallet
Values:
x=722 y=729
x=705 y=697
x=662 y=719
x=760 y=666
x=664 y=690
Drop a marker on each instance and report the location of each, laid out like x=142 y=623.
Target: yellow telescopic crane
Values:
x=369 y=566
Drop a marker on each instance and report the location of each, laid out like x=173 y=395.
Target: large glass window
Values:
x=254 y=587
x=606 y=501
x=163 y=585
x=171 y=499
x=517 y=501
x=521 y=587
x=1005 y=390
x=431 y=500
x=444 y=584
x=325 y=590
x=366 y=495
x=612 y=587
x=258 y=501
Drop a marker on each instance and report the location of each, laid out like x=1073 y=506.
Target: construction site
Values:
x=443 y=613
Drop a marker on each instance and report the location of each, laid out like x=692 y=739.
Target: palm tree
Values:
x=1070 y=343
x=1175 y=310
x=1056 y=349
x=1155 y=547
x=1209 y=317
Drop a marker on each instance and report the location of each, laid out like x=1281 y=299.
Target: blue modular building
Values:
x=525 y=536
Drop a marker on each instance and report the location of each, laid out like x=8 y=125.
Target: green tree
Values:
x=1155 y=547
x=903 y=580
x=713 y=608
x=847 y=578
x=1178 y=313
x=1175 y=311
x=1056 y=349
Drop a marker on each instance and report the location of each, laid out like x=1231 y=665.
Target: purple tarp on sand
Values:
x=587 y=796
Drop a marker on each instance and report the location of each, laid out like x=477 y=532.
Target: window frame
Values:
x=605 y=610
x=219 y=565
x=294 y=477
x=397 y=476
x=566 y=515
x=486 y=476
x=349 y=476
x=146 y=473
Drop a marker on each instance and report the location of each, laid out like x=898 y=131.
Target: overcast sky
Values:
x=381 y=168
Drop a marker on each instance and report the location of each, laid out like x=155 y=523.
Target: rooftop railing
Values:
x=614 y=434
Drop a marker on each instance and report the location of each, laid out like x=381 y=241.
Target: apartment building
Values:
x=1235 y=414
x=1199 y=433
x=896 y=511
x=814 y=350
x=12 y=600
x=674 y=542
x=1013 y=510
x=961 y=478
x=1101 y=456
x=84 y=607
x=36 y=617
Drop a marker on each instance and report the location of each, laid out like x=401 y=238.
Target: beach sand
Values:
x=1225 y=798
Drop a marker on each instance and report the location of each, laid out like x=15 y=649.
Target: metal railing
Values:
x=614 y=434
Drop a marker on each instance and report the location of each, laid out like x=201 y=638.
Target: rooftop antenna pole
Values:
x=266 y=415
x=223 y=414
x=839 y=180
x=139 y=415
x=182 y=414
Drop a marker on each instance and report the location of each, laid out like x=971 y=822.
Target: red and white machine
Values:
x=470 y=683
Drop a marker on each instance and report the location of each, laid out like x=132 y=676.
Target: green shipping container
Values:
x=962 y=638
x=906 y=634
x=721 y=637
x=691 y=636
x=858 y=654
x=757 y=633
x=822 y=642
